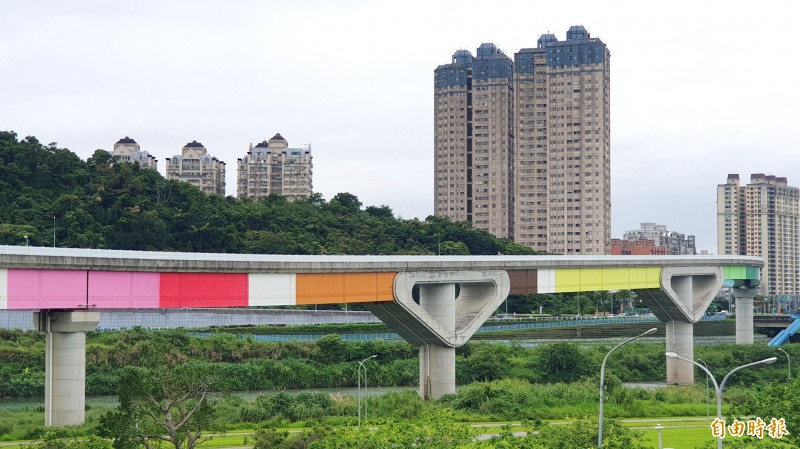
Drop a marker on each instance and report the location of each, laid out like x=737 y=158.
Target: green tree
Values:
x=100 y=158
x=776 y=400
x=583 y=434
x=167 y=404
x=346 y=200
x=270 y=438
x=383 y=212
x=11 y=234
x=331 y=349
x=265 y=242
x=451 y=248
x=561 y=362
x=624 y=297
x=488 y=362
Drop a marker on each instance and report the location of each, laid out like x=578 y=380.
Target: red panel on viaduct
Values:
x=203 y=290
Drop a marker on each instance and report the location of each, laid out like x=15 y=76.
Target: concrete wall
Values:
x=191 y=318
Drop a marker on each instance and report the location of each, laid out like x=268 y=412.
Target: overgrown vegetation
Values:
x=100 y=204
x=500 y=382
x=441 y=431
x=333 y=418
x=774 y=400
x=241 y=363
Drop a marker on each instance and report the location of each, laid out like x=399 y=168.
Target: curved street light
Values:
x=360 y=366
x=789 y=379
x=602 y=381
x=718 y=388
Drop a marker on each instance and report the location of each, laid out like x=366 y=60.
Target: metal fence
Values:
x=310 y=337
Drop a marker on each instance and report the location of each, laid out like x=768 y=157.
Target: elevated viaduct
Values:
x=67 y=289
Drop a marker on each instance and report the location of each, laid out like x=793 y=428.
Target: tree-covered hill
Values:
x=100 y=204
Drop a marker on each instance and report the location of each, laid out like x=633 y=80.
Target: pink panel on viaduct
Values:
x=46 y=289
x=123 y=290
x=57 y=289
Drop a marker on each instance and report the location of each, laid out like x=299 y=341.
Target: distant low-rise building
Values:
x=127 y=150
x=271 y=167
x=195 y=166
x=653 y=239
x=640 y=247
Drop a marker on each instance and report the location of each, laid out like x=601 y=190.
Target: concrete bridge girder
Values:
x=440 y=322
x=685 y=294
x=440 y=318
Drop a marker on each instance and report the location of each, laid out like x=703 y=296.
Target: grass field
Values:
x=677 y=433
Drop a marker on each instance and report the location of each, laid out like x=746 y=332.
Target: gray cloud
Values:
x=699 y=89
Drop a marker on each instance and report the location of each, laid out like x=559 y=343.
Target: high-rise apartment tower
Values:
x=762 y=219
x=522 y=147
x=272 y=167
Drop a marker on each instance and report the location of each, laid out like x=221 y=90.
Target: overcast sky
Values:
x=699 y=89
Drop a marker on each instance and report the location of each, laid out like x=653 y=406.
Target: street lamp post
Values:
x=789 y=359
x=660 y=442
x=603 y=378
x=360 y=367
x=719 y=388
x=611 y=309
x=707 y=400
x=26 y=240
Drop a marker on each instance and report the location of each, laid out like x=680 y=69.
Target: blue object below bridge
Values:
x=784 y=335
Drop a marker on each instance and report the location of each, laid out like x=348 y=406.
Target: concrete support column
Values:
x=744 y=314
x=680 y=340
x=437 y=364
x=65 y=364
x=439 y=300
x=65 y=379
x=437 y=371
